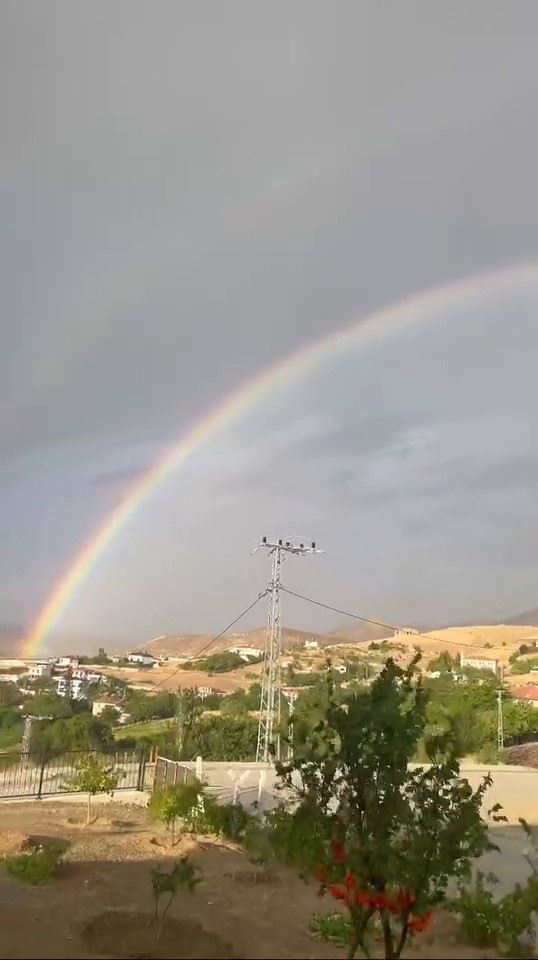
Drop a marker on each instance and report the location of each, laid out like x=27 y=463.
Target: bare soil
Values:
x=101 y=906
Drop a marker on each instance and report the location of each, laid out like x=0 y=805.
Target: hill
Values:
x=189 y=644
x=487 y=642
x=527 y=619
x=359 y=633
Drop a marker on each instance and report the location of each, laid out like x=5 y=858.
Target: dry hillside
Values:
x=189 y=644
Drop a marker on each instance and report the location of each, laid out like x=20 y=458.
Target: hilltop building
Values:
x=480 y=663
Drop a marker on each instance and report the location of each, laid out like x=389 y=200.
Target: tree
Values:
x=110 y=715
x=189 y=710
x=217 y=663
x=380 y=837
x=445 y=663
x=142 y=706
x=49 y=705
x=176 y=802
x=82 y=732
x=93 y=777
x=10 y=695
x=226 y=738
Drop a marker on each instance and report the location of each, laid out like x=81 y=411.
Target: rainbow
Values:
x=461 y=294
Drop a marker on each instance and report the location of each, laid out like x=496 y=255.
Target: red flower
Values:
x=381 y=902
x=362 y=899
x=404 y=899
x=350 y=881
x=337 y=891
x=338 y=852
x=419 y=924
x=321 y=875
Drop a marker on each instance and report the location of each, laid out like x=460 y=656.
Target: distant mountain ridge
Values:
x=527 y=619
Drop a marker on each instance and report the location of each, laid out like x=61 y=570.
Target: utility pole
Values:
x=500 y=718
x=26 y=737
x=271 y=681
x=291 y=698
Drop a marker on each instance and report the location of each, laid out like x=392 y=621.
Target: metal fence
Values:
x=53 y=772
x=172 y=772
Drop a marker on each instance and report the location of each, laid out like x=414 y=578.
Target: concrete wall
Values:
x=515 y=788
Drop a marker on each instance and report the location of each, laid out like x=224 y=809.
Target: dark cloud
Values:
x=190 y=196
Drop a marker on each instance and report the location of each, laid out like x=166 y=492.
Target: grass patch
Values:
x=35 y=867
x=139 y=730
x=331 y=928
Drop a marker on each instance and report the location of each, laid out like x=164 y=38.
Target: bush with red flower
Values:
x=380 y=837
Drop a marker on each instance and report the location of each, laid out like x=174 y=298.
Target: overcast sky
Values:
x=191 y=190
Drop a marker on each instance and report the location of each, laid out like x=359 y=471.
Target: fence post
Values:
x=42 y=773
x=199 y=769
x=141 y=770
x=261 y=784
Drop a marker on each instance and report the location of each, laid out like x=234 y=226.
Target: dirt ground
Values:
x=101 y=905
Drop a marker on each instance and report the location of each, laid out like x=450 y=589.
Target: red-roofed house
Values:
x=527 y=694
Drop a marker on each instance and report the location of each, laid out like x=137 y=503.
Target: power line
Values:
x=213 y=640
x=377 y=623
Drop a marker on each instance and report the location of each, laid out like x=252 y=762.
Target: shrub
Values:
x=183 y=875
x=185 y=802
x=227 y=820
x=331 y=928
x=37 y=866
x=488 y=921
x=501 y=922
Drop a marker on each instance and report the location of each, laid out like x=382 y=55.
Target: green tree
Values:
x=93 y=776
x=142 y=706
x=49 y=705
x=222 y=662
x=110 y=715
x=189 y=710
x=82 y=732
x=227 y=738
x=10 y=726
x=445 y=663
x=381 y=837
x=10 y=695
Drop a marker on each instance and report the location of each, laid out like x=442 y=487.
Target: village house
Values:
x=69 y=686
x=144 y=659
x=40 y=669
x=247 y=653
x=480 y=663
x=67 y=661
x=527 y=694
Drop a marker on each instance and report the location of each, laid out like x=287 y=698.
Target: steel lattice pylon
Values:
x=271 y=680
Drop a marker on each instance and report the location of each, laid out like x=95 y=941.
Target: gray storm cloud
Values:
x=189 y=193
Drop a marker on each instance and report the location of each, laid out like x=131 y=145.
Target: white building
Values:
x=40 y=669
x=70 y=661
x=80 y=673
x=340 y=668
x=204 y=692
x=74 y=687
x=142 y=658
x=406 y=632
x=311 y=644
x=247 y=653
x=99 y=705
x=479 y=663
